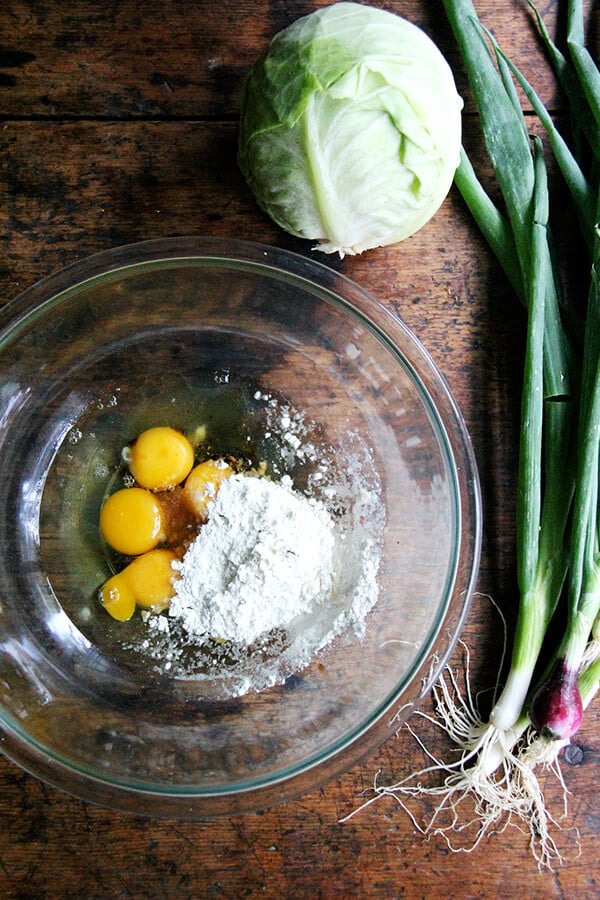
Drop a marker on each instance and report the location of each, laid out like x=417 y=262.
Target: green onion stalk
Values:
x=558 y=512
x=542 y=497
x=544 y=493
x=546 y=691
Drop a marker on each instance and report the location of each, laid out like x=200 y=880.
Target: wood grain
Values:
x=118 y=123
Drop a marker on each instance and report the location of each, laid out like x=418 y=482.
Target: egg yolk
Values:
x=131 y=521
x=117 y=597
x=160 y=458
x=202 y=484
x=168 y=503
x=150 y=577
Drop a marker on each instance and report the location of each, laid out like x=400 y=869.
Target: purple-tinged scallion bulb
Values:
x=556 y=709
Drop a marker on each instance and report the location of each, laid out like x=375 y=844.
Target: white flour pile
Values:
x=265 y=556
x=275 y=574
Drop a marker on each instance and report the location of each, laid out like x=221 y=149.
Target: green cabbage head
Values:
x=350 y=128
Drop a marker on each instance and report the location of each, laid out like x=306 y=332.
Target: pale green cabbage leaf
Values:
x=350 y=128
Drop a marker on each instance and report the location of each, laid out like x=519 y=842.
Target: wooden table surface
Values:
x=118 y=123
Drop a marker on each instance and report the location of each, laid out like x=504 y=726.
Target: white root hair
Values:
x=495 y=778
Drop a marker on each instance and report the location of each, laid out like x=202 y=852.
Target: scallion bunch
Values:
x=558 y=511
x=547 y=688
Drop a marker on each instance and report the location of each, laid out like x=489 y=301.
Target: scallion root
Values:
x=493 y=783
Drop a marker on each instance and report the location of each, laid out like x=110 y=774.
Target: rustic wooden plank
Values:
x=54 y=846
x=123 y=128
x=180 y=59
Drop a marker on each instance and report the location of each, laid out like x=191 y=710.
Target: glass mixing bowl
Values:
x=243 y=339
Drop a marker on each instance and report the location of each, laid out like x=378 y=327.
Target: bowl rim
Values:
x=286 y=783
